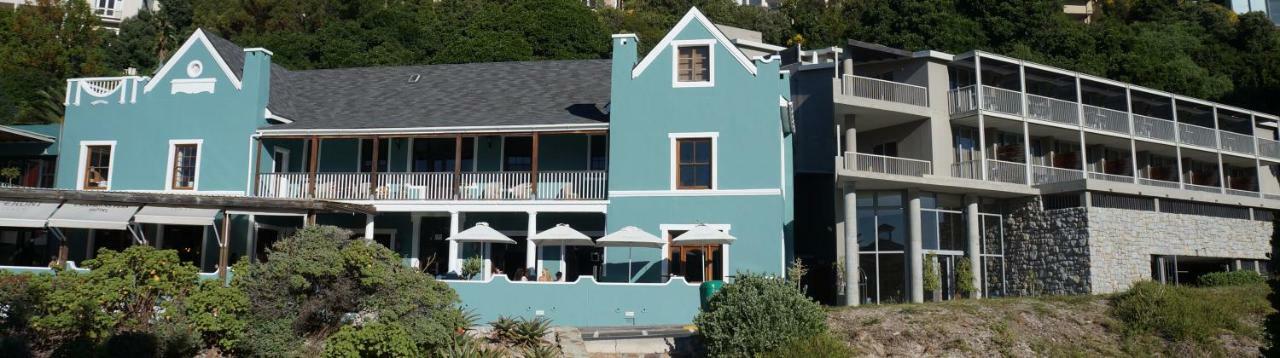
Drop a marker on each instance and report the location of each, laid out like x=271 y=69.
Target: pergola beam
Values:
x=184 y=200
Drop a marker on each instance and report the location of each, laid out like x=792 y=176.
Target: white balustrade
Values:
x=873 y=88
x=1154 y=128
x=963 y=99
x=1052 y=109
x=1159 y=183
x=1268 y=148
x=1106 y=119
x=342 y=186
x=1001 y=100
x=1006 y=172
x=415 y=186
x=968 y=169
x=1043 y=174
x=888 y=165
x=1236 y=142
x=573 y=185
x=495 y=186
x=283 y=185
x=1111 y=177
x=1196 y=135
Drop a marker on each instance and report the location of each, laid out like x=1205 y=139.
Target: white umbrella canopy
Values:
x=630 y=236
x=703 y=235
x=481 y=233
x=561 y=235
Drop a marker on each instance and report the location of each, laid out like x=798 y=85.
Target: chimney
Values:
x=257 y=74
x=624 y=56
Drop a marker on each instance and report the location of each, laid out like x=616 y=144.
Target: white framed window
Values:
x=693 y=63
x=696 y=263
x=96 y=160
x=694 y=161
x=182 y=170
x=279 y=160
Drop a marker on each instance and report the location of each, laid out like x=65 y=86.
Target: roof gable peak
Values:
x=197 y=37
x=693 y=15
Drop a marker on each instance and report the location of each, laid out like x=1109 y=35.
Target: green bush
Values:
x=318 y=281
x=964 y=277
x=471 y=267
x=1231 y=278
x=217 y=314
x=1190 y=315
x=520 y=332
x=371 y=340
x=823 y=345
x=757 y=314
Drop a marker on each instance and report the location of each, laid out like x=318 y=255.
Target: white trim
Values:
x=715 y=158
x=266 y=114
x=759 y=45
x=168 y=169
x=186 y=46
x=715 y=192
x=488 y=206
x=84 y=160
x=621 y=36
x=27 y=133
x=693 y=14
x=259 y=49
x=437 y=130
x=665 y=230
x=275 y=149
x=675 y=63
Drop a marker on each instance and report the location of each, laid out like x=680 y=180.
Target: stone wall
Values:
x=1047 y=252
x=1123 y=241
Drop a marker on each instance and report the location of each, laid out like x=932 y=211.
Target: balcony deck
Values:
x=437 y=186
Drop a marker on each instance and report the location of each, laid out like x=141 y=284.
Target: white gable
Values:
x=689 y=17
x=200 y=38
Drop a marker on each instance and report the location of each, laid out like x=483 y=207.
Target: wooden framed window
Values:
x=696 y=263
x=693 y=63
x=97 y=167
x=183 y=173
x=694 y=166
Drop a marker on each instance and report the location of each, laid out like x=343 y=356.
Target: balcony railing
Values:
x=1236 y=142
x=1044 y=175
x=1238 y=192
x=968 y=169
x=1202 y=188
x=1052 y=109
x=1111 y=177
x=1268 y=148
x=100 y=90
x=963 y=99
x=1001 y=100
x=1106 y=119
x=1196 y=135
x=1159 y=183
x=1006 y=172
x=1154 y=128
x=873 y=88
x=888 y=165
x=551 y=185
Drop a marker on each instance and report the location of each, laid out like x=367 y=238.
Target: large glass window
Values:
x=184 y=166
x=438 y=154
x=693 y=171
x=97 y=169
x=696 y=263
x=992 y=249
x=882 y=234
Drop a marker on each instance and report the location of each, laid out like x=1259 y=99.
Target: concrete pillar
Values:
x=846 y=67
x=368 y=226
x=850 y=134
x=415 y=244
x=852 y=278
x=531 y=250
x=915 y=253
x=453 y=245
x=974 y=239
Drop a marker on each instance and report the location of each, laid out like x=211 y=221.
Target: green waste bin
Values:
x=709 y=288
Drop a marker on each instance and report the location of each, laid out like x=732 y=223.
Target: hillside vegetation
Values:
x=1149 y=320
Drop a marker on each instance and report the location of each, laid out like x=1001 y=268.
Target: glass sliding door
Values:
x=882 y=235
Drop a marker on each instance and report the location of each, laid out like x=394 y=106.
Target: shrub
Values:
x=217 y=314
x=1231 y=278
x=822 y=345
x=1188 y=314
x=371 y=340
x=471 y=267
x=932 y=282
x=757 y=314
x=964 y=277
x=318 y=281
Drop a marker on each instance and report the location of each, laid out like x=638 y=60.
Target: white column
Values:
x=368 y=226
x=974 y=236
x=250 y=245
x=852 y=292
x=415 y=249
x=453 y=245
x=531 y=250
x=915 y=253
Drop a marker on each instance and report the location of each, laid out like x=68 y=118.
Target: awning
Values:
x=170 y=215
x=703 y=235
x=104 y=217
x=25 y=213
x=561 y=235
x=630 y=236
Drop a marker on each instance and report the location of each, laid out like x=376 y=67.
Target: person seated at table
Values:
x=545 y=276
x=522 y=274
x=559 y=276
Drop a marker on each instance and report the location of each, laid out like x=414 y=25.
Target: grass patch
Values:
x=1193 y=316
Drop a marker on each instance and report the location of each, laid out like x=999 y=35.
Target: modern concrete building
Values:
x=1042 y=179
x=1269 y=7
x=111 y=12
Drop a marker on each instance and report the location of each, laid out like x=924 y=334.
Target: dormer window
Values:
x=693 y=64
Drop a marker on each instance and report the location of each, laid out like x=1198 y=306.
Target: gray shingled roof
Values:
x=454 y=95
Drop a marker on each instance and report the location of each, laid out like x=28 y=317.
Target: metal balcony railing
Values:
x=967 y=169
x=963 y=99
x=1154 y=128
x=1006 y=172
x=883 y=90
x=1044 y=175
x=887 y=165
x=1001 y=100
x=1159 y=183
x=1236 y=142
x=1106 y=119
x=1191 y=134
x=1202 y=188
x=1238 y=192
x=1052 y=109
x=1111 y=177
x=1268 y=148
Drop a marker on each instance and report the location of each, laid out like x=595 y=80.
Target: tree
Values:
x=43 y=44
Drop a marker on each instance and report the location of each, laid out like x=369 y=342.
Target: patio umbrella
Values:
x=703 y=235
x=630 y=237
x=560 y=235
x=483 y=234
